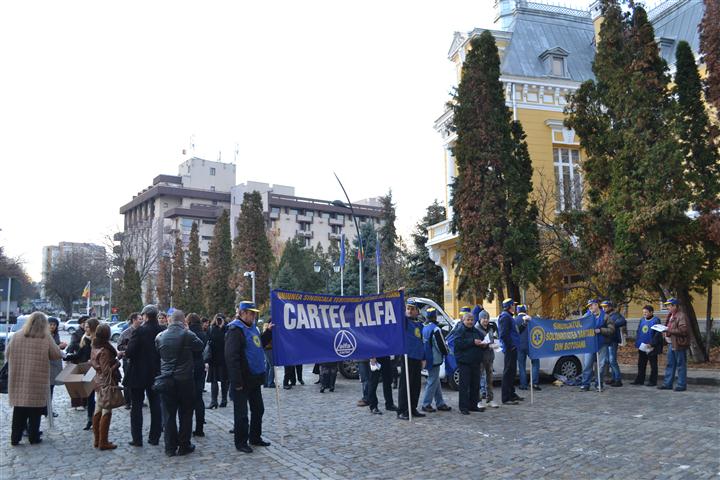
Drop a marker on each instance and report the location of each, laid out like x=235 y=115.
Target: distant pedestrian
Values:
x=104 y=361
x=653 y=341
x=217 y=370
x=509 y=340
x=246 y=370
x=468 y=354
x=678 y=337
x=194 y=324
x=620 y=323
x=28 y=355
x=435 y=351
x=178 y=348
x=144 y=367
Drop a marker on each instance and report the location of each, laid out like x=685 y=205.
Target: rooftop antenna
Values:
x=192 y=143
x=219 y=156
x=237 y=152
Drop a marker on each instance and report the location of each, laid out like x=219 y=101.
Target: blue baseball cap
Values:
x=521 y=308
x=410 y=302
x=672 y=301
x=465 y=309
x=593 y=301
x=246 y=306
x=607 y=303
x=507 y=303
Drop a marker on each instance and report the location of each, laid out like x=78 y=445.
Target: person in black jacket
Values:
x=79 y=351
x=468 y=355
x=195 y=326
x=178 y=347
x=217 y=370
x=144 y=367
x=246 y=370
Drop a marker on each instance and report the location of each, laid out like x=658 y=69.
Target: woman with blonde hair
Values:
x=28 y=356
x=104 y=361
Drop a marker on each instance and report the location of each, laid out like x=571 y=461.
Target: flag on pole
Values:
x=377 y=251
x=342 y=249
x=86 y=291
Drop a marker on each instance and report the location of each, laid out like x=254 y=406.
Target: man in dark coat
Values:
x=145 y=361
x=217 y=370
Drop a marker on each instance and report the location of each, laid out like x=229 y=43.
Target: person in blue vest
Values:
x=653 y=342
x=509 y=341
x=521 y=323
x=605 y=332
x=415 y=352
x=245 y=361
x=435 y=351
x=619 y=322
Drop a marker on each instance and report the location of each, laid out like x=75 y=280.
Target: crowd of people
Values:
x=166 y=360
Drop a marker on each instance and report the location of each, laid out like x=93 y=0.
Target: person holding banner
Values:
x=509 y=340
x=605 y=332
x=435 y=351
x=469 y=353
x=521 y=323
x=413 y=363
x=619 y=322
x=245 y=361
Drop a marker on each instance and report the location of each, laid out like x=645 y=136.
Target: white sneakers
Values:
x=492 y=404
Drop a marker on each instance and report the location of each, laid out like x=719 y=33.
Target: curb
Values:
x=694 y=377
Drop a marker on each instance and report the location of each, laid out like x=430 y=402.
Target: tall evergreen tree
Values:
x=425 y=278
x=195 y=274
x=251 y=249
x=130 y=298
x=219 y=295
x=295 y=269
x=710 y=48
x=393 y=273
x=178 y=291
x=162 y=284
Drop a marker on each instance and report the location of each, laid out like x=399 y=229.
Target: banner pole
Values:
x=281 y=425
x=597 y=358
x=532 y=399
x=407 y=388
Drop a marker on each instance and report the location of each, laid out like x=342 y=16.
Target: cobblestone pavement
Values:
x=629 y=432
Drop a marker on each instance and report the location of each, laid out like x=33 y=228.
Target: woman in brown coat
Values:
x=104 y=360
x=29 y=369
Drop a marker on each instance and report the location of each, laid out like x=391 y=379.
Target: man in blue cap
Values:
x=509 y=340
x=415 y=353
x=521 y=323
x=605 y=332
x=678 y=337
x=619 y=322
x=435 y=351
x=245 y=361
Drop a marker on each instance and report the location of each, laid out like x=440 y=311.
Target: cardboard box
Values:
x=78 y=379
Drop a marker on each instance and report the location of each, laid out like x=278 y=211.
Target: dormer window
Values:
x=555 y=62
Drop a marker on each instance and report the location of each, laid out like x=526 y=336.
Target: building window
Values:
x=212 y=171
x=304 y=227
x=293 y=211
x=204 y=254
x=165 y=205
x=568 y=181
x=209 y=222
x=308 y=242
x=275 y=210
x=558 y=66
x=336 y=229
x=206 y=237
x=212 y=188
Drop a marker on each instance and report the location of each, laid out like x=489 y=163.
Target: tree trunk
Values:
x=708 y=322
x=696 y=344
x=67 y=305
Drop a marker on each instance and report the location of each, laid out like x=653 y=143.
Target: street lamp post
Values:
x=252 y=277
x=341 y=204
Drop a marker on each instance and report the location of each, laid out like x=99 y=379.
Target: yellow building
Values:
x=546 y=52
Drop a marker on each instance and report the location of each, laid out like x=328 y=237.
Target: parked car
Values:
x=5 y=336
x=71 y=325
x=117 y=329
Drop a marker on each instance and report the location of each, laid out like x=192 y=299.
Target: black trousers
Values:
x=508 y=378
x=469 y=386
x=23 y=417
x=293 y=374
x=199 y=404
x=90 y=406
x=137 y=396
x=251 y=396
x=126 y=390
x=372 y=388
x=387 y=372
x=643 y=359
x=180 y=401
x=414 y=368
x=214 y=391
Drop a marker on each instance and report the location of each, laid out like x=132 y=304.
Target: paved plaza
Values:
x=628 y=433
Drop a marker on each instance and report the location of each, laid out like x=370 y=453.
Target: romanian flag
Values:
x=86 y=291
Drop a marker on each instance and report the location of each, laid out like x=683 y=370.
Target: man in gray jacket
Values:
x=176 y=346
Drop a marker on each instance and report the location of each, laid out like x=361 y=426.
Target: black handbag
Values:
x=4 y=378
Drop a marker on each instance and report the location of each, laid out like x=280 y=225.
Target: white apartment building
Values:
x=52 y=254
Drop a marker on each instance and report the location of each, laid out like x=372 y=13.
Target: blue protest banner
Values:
x=553 y=338
x=317 y=328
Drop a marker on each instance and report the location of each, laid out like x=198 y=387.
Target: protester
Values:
x=619 y=322
x=80 y=353
x=363 y=367
x=195 y=326
x=468 y=354
x=178 y=348
x=104 y=361
x=653 y=340
x=292 y=376
x=488 y=333
x=328 y=375
x=28 y=356
x=134 y=320
x=415 y=363
x=521 y=321
x=605 y=332
x=71 y=350
x=205 y=324
x=56 y=366
x=246 y=370
x=509 y=340
x=217 y=370
x=374 y=376
x=269 y=366
x=163 y=319
x=388 y=373
x=144 y=367
x=678 y=338
x=435 y=351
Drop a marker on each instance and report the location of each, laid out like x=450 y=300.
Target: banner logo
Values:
x=256 y=340
x=537 y=337
x=345 y=343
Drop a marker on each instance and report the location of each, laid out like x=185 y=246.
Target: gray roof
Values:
x=534 y=32
x=677 y=20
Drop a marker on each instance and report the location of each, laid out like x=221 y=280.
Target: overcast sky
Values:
x=97 y=98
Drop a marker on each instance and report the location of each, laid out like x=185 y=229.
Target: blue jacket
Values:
x=413 y=339
x=619 y=321
x=433 y=355
x=509 y=336
x=645 y=332
x=466 y=352
x=522 y=333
